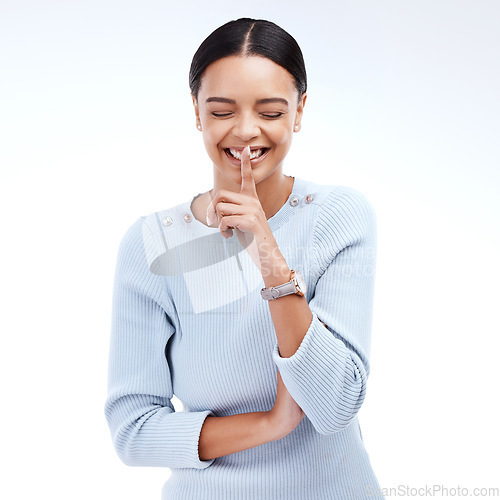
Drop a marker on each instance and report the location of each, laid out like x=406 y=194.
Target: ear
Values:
x=196 y=110
x=300 y=111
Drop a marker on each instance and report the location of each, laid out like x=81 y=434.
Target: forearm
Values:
x=225 y=435
x=291 y=314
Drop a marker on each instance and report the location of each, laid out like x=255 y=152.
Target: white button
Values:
x=167 y=221
x=294 y=201
x=187 y=217
x=309 y=198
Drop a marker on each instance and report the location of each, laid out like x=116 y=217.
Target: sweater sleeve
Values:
x=145 y=428
x=327 y=374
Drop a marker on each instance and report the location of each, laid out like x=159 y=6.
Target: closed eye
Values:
x=265 y=115
x=272 y=115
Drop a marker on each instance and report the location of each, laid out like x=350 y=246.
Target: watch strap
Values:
x=274 y=292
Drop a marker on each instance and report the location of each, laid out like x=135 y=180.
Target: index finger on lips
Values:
x=247 y=180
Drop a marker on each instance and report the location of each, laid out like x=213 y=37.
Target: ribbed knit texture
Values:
x=188 y=319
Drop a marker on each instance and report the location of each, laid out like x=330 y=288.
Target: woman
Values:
x=252 y=302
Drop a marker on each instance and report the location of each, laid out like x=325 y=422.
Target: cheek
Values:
x=214 y=134
x=210 y=138
x=282 y=135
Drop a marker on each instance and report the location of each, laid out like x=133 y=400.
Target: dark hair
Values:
x=249 y=37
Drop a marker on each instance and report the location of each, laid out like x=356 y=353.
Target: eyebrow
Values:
x=268 y=100
x=273 y=100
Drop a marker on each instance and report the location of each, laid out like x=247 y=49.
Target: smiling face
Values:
x=243 y=101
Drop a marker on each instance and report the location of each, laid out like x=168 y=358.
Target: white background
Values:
x=97 y=128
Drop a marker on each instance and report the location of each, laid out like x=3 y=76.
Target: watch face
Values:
x=300 y=282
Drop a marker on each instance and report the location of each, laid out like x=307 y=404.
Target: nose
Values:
x=246 y=127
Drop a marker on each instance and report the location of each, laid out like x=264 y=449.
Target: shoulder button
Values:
x=309 y=198
x=187 y=217
x=294 y=201
x=167 y=221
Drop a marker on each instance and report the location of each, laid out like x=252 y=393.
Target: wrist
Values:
x=272 y=264
x=271 y=426
x=277 y=274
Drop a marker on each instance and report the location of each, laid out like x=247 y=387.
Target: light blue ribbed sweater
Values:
x=188 y=319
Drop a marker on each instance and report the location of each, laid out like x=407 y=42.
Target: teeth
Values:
x=235 y=153
x=253 y=154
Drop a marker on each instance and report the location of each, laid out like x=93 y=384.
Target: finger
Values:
x=213 y=208
x=224 y=228
x=214 y=204
x=225 y=208
x=247 y=180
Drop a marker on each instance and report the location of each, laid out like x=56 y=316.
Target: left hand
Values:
x=241 y=211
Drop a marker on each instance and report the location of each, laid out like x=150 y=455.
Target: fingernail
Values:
x=209 y=213
x=248 y=149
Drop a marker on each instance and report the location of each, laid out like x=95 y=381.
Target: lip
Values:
x=253 y=162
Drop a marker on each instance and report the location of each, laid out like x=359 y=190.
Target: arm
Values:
x=225 y=435
x=325 y=364
x=145 y=429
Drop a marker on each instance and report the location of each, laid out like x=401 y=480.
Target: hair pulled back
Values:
x=249 y=37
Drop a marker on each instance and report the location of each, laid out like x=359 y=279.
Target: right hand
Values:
x=286 y=414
